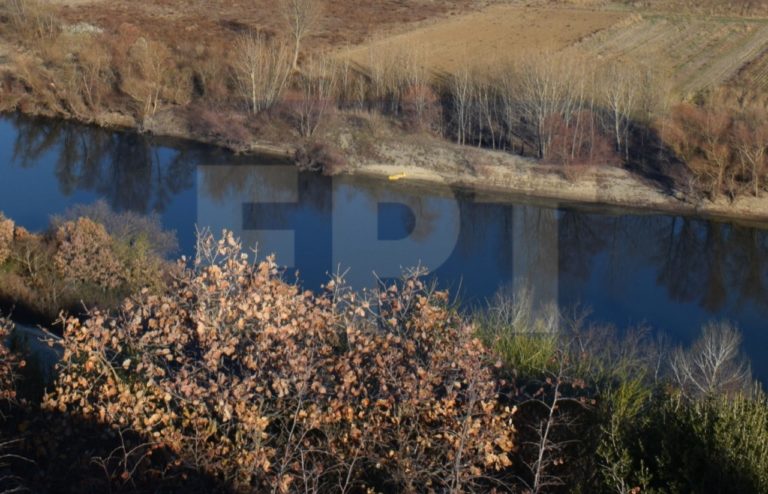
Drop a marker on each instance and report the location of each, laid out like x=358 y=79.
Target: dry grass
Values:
x=498 y=32
x=207 y=22
x=690 y=53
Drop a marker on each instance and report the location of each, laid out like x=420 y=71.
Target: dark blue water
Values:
x=670 y=273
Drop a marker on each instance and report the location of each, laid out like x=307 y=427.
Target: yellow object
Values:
x=394 y=178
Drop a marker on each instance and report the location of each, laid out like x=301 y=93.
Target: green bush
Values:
x=718 y=444
x=632 y=415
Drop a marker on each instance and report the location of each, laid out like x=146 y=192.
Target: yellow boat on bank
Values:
x=397 y=177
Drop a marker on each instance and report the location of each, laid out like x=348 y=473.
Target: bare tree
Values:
x=704 y=138
x=619 y=89
x=93 y=73
x=484 y=111
x=547 y=91
x=714 y=364
x=751 y=138
x=301 y=17
x=391 y=71
x=548 y=446
x=317 y=88
x=263 y=67
x=510 y=107
x=148 y=76
x=33 y=20
x=715 y=148
x=461 y=95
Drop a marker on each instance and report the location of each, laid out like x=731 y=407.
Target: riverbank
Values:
x=381 y=151
x=504 y=176
x=344 y=119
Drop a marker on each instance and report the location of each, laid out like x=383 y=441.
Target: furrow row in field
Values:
x=754 y=74
x=728 y=64
x=498 y=33
x=693 y=54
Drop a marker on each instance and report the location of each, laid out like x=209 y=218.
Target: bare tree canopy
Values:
x=714 y=364
x=263 y=69
x=302 y=17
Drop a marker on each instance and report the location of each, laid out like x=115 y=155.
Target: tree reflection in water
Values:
x=713 y=264
x=701 y=268
x=131 y=171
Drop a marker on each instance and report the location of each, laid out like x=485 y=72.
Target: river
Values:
x=669 y=273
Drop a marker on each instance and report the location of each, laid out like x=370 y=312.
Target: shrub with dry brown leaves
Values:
x=6 y=238
x=269 y=387
x=8 y=364
x=723 y=146
x=79 y=262
x=84 y=253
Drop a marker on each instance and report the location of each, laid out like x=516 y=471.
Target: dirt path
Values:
x=499 y=32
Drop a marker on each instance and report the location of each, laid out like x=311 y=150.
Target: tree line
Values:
x=559 y=108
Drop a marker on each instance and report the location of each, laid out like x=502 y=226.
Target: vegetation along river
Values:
x=669 y=273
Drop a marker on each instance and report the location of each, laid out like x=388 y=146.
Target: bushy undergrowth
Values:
x=628 y=414
x=231 y=379
x=718 y=444
x=143 y=234
x=6 y=238
x=267 y=387
x=723 y=145
x=9 y=364
x=75 y=263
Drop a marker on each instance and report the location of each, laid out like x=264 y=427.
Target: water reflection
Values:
x=672 y=272
x=131 y=171
x=712 y=264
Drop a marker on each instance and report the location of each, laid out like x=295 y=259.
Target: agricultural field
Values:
x=497 y=33
x=689 y=53
x=742 y=8
x=755 y=74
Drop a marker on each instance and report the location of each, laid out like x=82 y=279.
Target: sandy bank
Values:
x=506 y=176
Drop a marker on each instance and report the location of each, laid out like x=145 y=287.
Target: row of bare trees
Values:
x=561 y=108
x=549 y=107
x=558 y=108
